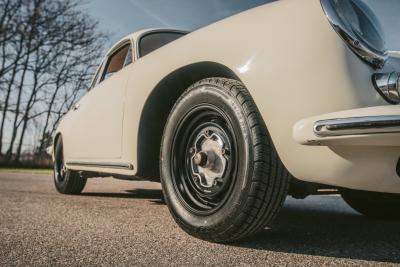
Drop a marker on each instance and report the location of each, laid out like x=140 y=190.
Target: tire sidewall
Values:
x=222 y=98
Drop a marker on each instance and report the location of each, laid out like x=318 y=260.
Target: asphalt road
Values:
x=126 y=223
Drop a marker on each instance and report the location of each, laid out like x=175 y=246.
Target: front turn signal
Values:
x=388 y=86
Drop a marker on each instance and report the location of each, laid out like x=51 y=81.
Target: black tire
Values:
x=65 y=181
x=373 y=204
x=254 y=183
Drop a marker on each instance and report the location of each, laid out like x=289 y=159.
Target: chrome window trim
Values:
x=357 y=126
x=107 y=165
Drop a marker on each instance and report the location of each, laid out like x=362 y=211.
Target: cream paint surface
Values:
x=295 y=66
x=94 y=130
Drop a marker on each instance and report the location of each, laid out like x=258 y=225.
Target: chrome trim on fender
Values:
x=108 y=165
x=357 y=126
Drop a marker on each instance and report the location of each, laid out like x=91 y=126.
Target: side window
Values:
x=116 y=61
x=153 y=41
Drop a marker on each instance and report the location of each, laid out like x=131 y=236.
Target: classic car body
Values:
x=303 y=79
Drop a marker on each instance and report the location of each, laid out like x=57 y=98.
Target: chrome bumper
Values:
x=372 y=126
x=357 y=126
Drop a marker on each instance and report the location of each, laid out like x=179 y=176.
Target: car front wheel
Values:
x=221 y=176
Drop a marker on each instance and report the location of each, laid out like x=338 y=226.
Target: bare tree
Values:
x=48 y=53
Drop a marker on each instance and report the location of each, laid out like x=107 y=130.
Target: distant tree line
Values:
x=49 y=50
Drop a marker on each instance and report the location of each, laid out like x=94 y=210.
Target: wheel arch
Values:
x=158 y=106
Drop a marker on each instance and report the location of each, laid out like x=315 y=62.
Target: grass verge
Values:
x=27 y=170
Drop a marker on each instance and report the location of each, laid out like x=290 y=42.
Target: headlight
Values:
x=359 y=28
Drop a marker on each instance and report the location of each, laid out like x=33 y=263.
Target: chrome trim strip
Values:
x=357 y=126
x=108 y=165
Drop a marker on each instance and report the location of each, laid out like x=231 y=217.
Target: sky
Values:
x=121 y=17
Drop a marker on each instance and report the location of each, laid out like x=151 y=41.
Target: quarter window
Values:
x=153 y=41
x=96 y=76
x=128 y=58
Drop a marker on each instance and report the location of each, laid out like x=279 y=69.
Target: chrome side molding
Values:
x=357 y=126
x=108 y=165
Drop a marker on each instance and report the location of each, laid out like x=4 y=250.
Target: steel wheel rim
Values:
x=196 y=198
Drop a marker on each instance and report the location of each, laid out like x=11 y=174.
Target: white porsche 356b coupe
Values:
x=293 y=97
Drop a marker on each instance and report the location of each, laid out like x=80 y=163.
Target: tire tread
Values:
x=269 y=180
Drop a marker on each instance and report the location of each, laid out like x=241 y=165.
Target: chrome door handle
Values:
x=76 y=106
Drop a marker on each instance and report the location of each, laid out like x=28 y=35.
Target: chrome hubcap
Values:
x=208 y=162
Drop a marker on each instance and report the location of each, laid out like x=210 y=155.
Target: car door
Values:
x=98 y=116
